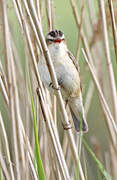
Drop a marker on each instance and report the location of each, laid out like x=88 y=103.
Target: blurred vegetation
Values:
x=98 y=135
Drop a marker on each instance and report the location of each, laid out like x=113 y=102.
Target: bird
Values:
x=68 y=77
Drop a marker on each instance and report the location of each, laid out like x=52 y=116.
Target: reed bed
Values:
x=33 y=142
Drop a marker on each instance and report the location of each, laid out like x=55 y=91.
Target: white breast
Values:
x=64 y=68
x=57 y=53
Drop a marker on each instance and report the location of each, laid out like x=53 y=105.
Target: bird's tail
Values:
x=78 y=115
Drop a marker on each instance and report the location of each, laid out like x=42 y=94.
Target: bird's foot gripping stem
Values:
x=53 y=87
x=67 y=126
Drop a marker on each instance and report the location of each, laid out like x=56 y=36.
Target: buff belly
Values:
x=67 y=76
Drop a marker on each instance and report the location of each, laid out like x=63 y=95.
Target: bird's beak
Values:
x=57 y=40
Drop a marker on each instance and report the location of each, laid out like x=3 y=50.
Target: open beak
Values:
x=57 y=40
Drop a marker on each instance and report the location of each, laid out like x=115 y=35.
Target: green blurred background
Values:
x=97 y=137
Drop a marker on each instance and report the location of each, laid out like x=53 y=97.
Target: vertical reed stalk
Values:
x=108 y=59
x=114 y=28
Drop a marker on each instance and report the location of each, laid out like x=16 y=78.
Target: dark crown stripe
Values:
x=55 y=33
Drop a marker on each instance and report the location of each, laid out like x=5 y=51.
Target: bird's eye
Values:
x=50 y=40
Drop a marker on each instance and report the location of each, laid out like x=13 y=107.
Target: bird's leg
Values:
x=53 y=87
x=66 y=103
x=59 y=83
x=67 y=126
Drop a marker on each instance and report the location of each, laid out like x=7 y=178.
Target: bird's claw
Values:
x=67 y=126
x=55 y=88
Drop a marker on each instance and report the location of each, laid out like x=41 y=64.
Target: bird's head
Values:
x=55 y=37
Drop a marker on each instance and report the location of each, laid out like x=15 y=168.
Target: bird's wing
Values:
x=75 y=64
x=73 y=60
